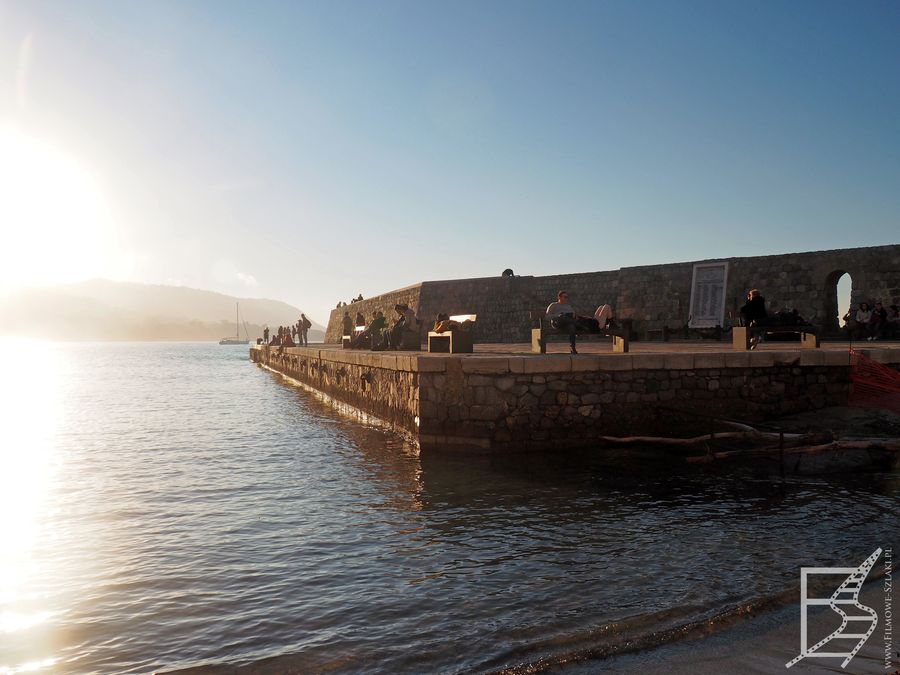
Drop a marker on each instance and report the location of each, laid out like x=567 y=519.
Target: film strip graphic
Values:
x=845 y=597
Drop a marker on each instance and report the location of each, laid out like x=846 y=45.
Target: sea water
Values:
x=174 y=505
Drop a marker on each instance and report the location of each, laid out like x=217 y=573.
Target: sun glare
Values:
x=29 y=412
x=55 y=223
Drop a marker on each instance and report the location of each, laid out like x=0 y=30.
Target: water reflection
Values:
x=30 y=409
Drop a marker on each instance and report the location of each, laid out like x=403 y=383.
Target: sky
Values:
x=312 y=151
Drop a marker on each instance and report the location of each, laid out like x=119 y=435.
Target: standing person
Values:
x=360 y=319
x=305 y=324
x=754 y=313
x=562 y=317
x=266 y=335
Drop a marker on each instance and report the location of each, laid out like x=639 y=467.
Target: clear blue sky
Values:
x=312 y=151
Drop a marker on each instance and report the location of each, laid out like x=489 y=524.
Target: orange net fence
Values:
x=874 y=385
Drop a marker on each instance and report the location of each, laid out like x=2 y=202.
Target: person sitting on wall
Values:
x=863 y=315
x=892 y=324
x=347 y=324
x=371 y=336
x=849 y=319
x=563 y=318
x=406 y=323
x=604 y=317
x=877 y=322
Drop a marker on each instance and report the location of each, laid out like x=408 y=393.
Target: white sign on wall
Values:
x=708 y=295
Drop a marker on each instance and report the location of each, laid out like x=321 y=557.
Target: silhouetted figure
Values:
x=347 y=324
x=305 y=325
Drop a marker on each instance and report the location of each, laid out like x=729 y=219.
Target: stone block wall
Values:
x=381 y=385
x=652 y=296
x=556 y=402
x=540 y=403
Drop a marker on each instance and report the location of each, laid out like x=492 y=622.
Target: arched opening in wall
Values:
x=838 y=287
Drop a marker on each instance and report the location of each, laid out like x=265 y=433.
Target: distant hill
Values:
x=110 y=310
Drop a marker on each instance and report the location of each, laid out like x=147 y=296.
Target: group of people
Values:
x=344 y=304
x=873 y=323
x=376 y=335
x=295 y=335
x=562 y=317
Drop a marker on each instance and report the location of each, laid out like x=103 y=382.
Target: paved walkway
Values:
x=673 y=347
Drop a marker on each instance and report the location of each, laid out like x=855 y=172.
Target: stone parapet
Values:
x=653 y=296
x=522 y=402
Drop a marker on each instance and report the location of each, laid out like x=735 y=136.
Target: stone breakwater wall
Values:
x=531 y=403
x=653 y=296
x=384 y=386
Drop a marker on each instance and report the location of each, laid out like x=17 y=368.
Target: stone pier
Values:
x=511 y=401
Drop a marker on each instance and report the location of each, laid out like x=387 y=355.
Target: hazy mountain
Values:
x=110 y=310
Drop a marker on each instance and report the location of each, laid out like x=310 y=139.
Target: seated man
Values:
x=372 y=334
x=347 y=324
x=603 y=316
x=563 y=318
x=406 y=323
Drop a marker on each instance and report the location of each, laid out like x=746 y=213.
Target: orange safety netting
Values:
x=874 y=385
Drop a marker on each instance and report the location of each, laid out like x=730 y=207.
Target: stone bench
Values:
x=453 y=341
x=542 y=332
x=741 y=336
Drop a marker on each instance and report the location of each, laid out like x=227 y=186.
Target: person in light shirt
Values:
x=562 y=317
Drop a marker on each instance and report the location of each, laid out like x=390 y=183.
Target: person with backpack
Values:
x=304 y=324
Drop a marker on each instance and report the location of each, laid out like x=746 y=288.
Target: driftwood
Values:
x=706 y=438
x=768 y=444
x=885 y=444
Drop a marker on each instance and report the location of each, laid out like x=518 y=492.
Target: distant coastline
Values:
x=102 y=310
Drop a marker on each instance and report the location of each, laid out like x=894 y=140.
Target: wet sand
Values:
x=760 y=644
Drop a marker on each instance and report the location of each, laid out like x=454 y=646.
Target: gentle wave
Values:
x=181 y=506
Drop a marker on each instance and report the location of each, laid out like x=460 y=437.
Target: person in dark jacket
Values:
x=754 y=313
x=754 y=310
x=372 y=334
x=347 y=324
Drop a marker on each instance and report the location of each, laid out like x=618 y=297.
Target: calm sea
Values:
x=172 y=505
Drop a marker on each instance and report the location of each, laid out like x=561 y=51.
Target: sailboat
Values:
x=236 y=340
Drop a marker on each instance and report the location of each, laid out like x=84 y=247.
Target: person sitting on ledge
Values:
x=347 y=324
x=372 y=334
x=604 y=317
x=863 y=316
x=563 y=318
x=406 y=323
x=892 y=324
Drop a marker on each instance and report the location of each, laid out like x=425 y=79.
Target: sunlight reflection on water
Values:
x=168 y=505
x=29 y=416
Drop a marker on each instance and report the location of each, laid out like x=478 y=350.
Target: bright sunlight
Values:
x=55 y=222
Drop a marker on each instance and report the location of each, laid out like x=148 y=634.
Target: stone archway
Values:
x=831 y=317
